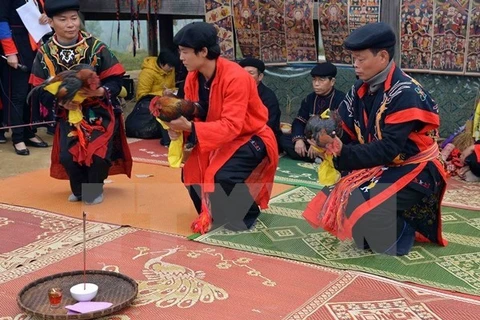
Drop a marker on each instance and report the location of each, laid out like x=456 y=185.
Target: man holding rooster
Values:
x=89 y=140
x=230 y=171
x=393 y=181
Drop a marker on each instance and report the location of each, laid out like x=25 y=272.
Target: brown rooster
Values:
x=71 y=88
x=168 y=108
x=329 y=123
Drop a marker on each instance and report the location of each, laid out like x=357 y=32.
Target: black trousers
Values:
x=15 y=88
x=85 y=181
x=383 y=229
x=231 y=203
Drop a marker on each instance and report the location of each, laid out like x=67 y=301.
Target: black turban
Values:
x=371 y=36
x=252 y=62
x=54 y=7
x=325 y=69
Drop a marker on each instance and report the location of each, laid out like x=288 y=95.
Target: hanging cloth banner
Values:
x=247 y=27
x=301 y=43
x=273 y=40
x=440 y=36
x=219 y=13
x=333 y=21
x=472 y=65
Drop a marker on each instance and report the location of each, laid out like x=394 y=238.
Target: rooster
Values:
x=321 y=129
x=168 y=108
x=329 y=122
x=71 y=88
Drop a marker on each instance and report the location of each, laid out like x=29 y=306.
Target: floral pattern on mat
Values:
x=181 y=279
x=27 y=234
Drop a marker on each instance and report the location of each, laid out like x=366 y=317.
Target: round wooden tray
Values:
x=113 y=287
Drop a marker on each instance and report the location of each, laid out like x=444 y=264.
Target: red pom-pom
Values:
x=203 y=223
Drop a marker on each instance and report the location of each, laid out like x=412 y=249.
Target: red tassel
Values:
x=203 y=222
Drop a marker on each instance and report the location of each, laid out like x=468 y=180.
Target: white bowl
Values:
x=84 y=291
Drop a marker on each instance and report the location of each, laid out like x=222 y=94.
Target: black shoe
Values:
x=2 y=137
x=41 y=144
x=21 y=152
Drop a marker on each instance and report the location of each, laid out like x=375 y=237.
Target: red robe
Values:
x=235 y=114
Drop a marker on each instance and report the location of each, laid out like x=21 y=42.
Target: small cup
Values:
x=55 y=297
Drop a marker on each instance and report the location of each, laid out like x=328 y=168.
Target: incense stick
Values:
x=84 y=252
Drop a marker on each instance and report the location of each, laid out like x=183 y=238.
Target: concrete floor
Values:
x=12 y=164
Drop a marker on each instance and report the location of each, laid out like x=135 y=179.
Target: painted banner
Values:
x=247 y=27
x=449 y=35
x=361 y=12
x=442 y=36
x=416 y=36
x=333 y=21
x=219 y=13
x=273 y=44
x=473 y=50
x=301 y=46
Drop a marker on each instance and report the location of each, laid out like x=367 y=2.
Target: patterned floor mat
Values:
x=28 y=234
x=281 y=231
x=180 y=279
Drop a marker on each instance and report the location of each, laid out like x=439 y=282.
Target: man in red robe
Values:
x=230 y=171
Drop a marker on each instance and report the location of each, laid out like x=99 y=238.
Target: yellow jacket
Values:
x=153 y=80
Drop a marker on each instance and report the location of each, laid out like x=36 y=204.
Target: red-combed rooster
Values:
x=168 y=108
x=71 y=88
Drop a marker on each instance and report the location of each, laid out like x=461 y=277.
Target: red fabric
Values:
x=477 y=151
x=9 y=46
x=57 y=170
x=235 y=114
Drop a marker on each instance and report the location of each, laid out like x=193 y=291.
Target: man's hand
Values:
x=180 y=124
x=12 y=61
x=173 y=135
x=300 y=148
x=44 y=19
x=333 y=145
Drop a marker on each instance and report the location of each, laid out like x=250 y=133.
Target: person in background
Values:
x=324 y=96
x=157 y=74
x=19 y=48
x=393 y=181
x=86 y=163
x=230 y=170
x=256 y=68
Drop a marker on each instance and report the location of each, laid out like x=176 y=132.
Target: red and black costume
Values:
x=107 y=151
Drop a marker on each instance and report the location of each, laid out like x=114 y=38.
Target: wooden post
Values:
x=153 y=36
x=166 y=32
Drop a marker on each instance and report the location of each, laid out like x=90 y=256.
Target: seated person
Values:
x=393 y=180
x=471 y=159
x=256 y=68
x=157 y=76
x=325 y=96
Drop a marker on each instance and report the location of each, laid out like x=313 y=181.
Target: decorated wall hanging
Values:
x=219 y=13
x=338 y=18
x=440 y=36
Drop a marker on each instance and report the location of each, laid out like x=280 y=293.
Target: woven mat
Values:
x=297 y=173
x=281 y=231
x=148 y=151
x=28 y=234
x=462 y=194
x=180 y=279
